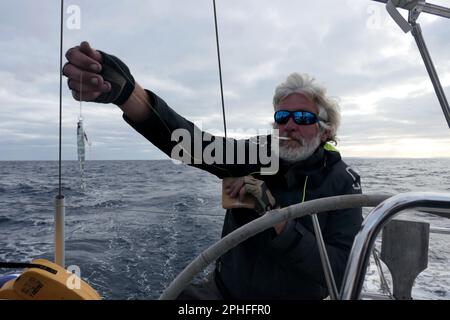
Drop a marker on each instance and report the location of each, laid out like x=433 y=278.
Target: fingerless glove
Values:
x=122 y=82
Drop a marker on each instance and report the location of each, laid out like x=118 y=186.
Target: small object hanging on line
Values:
x=82 y=139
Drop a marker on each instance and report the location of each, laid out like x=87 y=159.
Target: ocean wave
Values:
x=87 y=245
x=133 y=254
x=41 y=222
x=110 y=204
x=5 y=220
x=24 y=188
x=189 y=203
x=181 y=206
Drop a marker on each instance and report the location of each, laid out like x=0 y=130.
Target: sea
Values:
x=132 y=226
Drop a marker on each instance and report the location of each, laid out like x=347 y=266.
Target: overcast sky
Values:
x=352 y=47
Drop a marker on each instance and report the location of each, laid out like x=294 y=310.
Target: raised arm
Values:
x=99 y=77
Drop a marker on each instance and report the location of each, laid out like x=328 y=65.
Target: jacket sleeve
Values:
x=182 y=140
x=297 y=246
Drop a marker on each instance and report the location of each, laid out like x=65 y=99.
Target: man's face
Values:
x=304 y=139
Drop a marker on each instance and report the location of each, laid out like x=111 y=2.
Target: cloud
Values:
x=352 y=47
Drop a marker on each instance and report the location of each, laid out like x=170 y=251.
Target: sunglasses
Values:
x=300 y=117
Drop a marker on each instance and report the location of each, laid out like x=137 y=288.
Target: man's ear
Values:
x=324 y=136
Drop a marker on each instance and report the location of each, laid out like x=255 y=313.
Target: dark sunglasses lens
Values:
x=305 y=117
x=282 y=117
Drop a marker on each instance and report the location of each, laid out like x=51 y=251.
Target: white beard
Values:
x=302 y=152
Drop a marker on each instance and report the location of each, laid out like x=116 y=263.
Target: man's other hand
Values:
x=257 y=188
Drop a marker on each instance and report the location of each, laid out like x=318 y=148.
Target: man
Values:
x=280 y=263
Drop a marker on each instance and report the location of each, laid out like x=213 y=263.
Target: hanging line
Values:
x=220 y=69
x=81 y=95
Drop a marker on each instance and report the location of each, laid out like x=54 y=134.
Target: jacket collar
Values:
x=315 y=164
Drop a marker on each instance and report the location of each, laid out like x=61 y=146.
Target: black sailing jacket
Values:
x=271 y=266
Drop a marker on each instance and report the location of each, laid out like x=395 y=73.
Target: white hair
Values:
x=330 y=117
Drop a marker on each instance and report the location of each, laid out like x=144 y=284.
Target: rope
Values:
x=220 y=69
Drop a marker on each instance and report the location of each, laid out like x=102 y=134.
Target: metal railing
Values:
x=387 y=293
x=387 y=208
x=434 y=203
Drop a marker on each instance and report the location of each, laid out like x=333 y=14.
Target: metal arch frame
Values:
x=435 y=203
x=381 y=215
x=415 y=7
x=426 y=7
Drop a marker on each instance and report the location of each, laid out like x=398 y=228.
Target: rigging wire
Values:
x=60 y=97
x=81 y=210
x=220 y=69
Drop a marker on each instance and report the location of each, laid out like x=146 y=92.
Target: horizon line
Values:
x=92 y=160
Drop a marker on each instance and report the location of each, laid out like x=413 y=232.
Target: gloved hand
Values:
x=119 y=76
x=258 y=189
x=97 y=76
